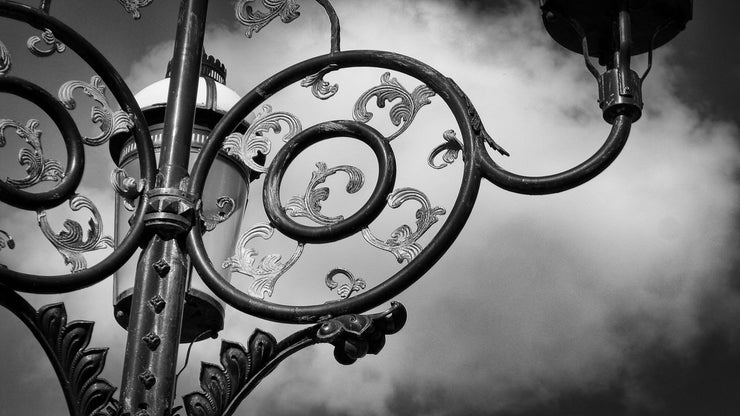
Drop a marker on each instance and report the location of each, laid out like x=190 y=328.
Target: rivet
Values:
x=157 y=303
x=152 y=340
x=161 y=267
x=147 y=379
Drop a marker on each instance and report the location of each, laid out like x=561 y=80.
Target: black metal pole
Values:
x=161 y=283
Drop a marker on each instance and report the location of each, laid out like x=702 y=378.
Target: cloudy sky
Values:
x=619 y=297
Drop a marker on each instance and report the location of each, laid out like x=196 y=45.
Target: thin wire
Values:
x=187 y=355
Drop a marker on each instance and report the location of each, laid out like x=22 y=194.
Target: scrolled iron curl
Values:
x=412 y=271
x=75 y=155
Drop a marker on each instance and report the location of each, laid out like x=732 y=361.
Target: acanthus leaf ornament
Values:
x=309 y=205
x=47 y=37
x=388 y=91
x=224 y=387
x=320 y=88
x=5 y=62
x=71 y=242
x=225 y=206
x=266 y=273
x=132 y=6
x=37 y=167
x=247 y=146
x=287 y=10
x=221 y=386
x=127 y=187
x=80 y=367
x=111 y=122
x=6 y=240
x=403 y=242
x=347 y=289
x=479 y=130
x=451 y=148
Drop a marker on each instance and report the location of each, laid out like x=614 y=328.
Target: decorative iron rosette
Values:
x=48 y=183
x=402 y=89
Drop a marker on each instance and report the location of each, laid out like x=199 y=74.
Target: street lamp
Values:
x=184 y=168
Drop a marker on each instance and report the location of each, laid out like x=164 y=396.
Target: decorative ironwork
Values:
x=309 y=205
x=451 y=148
x=225 y=206
x=242 y=369
x=5 y=62
x=320 y=88
x=6 y=240
x=245 y=147
x=287 y=10
x=266 y=273
x=389 y=90
x=132 y=6
x=403 y=240
x=77 y=367
x=111 y=122
x=48 y=38
x=479 y=131
x=71 y=242
x=127 y=187
x=347 y=289
x=38 y=168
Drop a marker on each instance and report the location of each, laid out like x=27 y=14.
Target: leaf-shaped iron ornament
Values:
x=242 y=369
x=388 y=91
x=320 y=88
x=403 y=241
x=346 y=289
x=38 y=168
x=80 y=367
x=5 y=62
x=71 y=242
x=225 y=206
x=266 y=273
x=111 y=122
x=132 y=6
x=47 y=37
x=451 y=148
x=6 y=240
x=222 y=385
x=247 y=146
x=287 y=10
x=127 y=187
x=309 y=205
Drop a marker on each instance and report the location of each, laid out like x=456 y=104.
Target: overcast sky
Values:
x=619 y=297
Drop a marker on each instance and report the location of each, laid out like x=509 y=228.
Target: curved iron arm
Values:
x=65 y=344
x=542 y=185
x=224 y=388
x=127 y=246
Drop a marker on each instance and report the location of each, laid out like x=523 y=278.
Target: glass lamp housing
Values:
x=223 y=200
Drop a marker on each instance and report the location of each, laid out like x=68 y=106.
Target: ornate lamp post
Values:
x=184 y=168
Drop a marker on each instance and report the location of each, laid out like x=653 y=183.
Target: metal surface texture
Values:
x=166 y=201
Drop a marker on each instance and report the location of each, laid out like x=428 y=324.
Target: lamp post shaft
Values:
x=161 y=276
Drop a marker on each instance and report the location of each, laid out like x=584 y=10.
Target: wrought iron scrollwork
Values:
x=5 y=62
x=133 y=6
x=255 y=21
x=451 y=148
x=245 y=147
x=225 y=206
x=403 y=242
x=71 y=242
x=111 y=122
x=48 y=38
x=127 y=187
x=347 y=289
x=402 y=113
x=242 y=369
x=309 y=205
x=38 y=167
x=320 y=88
x=66 y=345
x=267 y=272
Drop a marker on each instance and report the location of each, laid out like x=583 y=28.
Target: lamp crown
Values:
x=210 y=67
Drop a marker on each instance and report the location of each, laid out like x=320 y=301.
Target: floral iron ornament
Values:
x=38 y=167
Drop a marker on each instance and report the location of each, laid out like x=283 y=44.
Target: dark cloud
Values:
x=497 y=7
